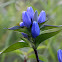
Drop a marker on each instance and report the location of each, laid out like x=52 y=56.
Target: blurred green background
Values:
x=11 y=14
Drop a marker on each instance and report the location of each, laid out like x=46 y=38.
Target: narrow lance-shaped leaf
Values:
x=20 y=44
x=14 y=28
x=20 y=29
x=46 y=27
x=45 y=36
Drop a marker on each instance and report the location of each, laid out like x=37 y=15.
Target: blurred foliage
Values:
x=11 y=14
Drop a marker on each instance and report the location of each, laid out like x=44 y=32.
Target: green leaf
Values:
x=18 y=52
x=26 y=40
x=45 y=36
x=20 y=44
x=46 y=27
x=20 y=29
x=24 y=30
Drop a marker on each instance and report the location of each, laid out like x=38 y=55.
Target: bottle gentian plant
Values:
x=31 y=27
x=59 y=54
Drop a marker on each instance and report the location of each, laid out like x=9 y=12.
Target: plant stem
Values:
x=35 y=51
x=25 y=60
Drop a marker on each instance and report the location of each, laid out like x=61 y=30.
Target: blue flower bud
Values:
x=59 y=54
x=26 y=19
x=35 y=17
x=25 y=35
x=42 y=17
x=21 y=24
x=35 y=30
x=30 y=12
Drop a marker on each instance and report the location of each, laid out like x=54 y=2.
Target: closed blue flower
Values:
x=24 y=35
x=35 y=17
x=30 y=12
x=35 y=30
x=59 y=54
x=26 y=19
x=21 y=24
x=42 y=17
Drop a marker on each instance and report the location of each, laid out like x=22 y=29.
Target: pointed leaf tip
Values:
x=14 y=28
x=46 y=27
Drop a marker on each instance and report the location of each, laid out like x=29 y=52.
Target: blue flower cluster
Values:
x=32 y=20
x=59 y=54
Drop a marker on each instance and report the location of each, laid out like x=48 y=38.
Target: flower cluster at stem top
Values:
x=32 y=20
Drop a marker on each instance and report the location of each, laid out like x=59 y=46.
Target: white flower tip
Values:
x=20 y=22
x=36 y=11
x=21 y=41
x=24 y=11
x=30 y=7
x=43 y=11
